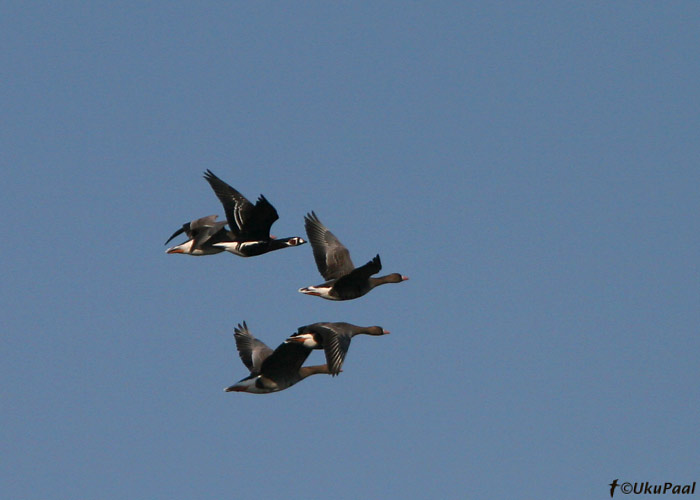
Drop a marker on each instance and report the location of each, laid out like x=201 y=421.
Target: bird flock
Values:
x=248 y=235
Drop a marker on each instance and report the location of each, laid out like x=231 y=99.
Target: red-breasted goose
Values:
x=271 y=371
x=249 y=224
x=202 y=234
x=344 y=280
x=333 y=338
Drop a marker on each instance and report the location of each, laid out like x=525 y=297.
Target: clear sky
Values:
x=532 y=167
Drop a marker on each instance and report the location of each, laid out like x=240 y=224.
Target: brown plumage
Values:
x=333 y=338
x=344 y=280
x=271 y=371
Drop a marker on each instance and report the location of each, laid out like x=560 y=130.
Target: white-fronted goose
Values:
x=202 y=234
x=333 y=338
x=271 y=371
x=344 y=280
x=249 y=224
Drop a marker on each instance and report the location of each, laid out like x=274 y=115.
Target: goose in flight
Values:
x=249 y=225
x=271 y=371
x=344 y=281
x=202 y=234
x=333 y=338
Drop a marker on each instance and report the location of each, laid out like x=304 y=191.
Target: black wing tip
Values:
x=264 y=202
x=241 y=329
x=336 y=369
x=311 y=217
x=313 y=223
x=212 y=178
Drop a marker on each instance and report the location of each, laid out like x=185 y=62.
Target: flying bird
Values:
x=271 y=371
x=202 y=234
x=333 y=338
x=249 y=225
x=344 y=281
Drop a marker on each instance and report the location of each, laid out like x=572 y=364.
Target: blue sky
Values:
x=533 y=168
